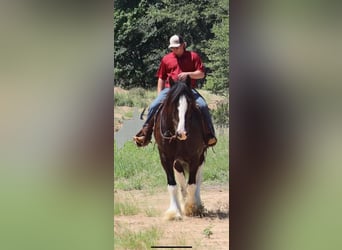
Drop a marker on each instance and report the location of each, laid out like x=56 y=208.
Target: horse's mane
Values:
x=179 y=88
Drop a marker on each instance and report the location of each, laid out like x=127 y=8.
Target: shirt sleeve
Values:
x=197 y=62
x=162 y=73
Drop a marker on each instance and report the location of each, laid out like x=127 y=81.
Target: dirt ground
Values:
x=209 y=232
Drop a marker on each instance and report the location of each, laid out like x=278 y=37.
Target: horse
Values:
x=179 y=134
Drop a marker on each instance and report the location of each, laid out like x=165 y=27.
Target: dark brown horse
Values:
x=180 y=137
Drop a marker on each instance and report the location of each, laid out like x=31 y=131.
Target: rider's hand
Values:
x=182 y=76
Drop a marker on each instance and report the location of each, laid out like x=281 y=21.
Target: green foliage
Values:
x=138 y=92
x=142 y=30
x=123 y=100
x=220 y=115
x=135 y=97
x=217 y=79
x=207 y=231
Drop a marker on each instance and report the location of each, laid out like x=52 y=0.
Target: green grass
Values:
x=216 y=164
x=207 y=231
x=123 y=100
x=125 y=208
x=125 y=238
x=129 y=115
x=151 y=212
x=137 y=168
x=135 y=97
x=140 y=168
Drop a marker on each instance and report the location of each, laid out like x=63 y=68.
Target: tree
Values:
x=128 y=57
x=218 y=53
x=142 y=30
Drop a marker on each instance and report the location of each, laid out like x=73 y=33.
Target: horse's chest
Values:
x=180 y=149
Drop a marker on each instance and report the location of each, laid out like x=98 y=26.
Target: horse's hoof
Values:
x=189 y=210
x=194 y=210
x=172 y=215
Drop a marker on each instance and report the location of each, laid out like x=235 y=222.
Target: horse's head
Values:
x=187 y=82
x=179 y=101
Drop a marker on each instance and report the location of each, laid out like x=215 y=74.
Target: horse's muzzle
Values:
x=182 y=136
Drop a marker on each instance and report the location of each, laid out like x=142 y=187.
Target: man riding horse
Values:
x=178 y=65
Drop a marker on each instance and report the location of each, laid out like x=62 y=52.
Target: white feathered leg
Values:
x=180 y=179
x=174 y=211
x=193 y=204
x=190 y=204
x=198 y=200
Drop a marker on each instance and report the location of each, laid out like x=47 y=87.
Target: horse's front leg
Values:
x=193 y=203
x=181 y=183
x=174 y=211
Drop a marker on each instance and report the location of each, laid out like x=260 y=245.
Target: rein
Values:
x=178 y=91
x=170 y=138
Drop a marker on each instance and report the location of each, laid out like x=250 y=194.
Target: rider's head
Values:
x=177 y=45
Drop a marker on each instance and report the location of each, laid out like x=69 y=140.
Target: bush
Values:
x=123 y=100
x=138 y=92
x=221 y=114
x=135 y=97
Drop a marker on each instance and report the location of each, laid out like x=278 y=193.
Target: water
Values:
x=128 y=130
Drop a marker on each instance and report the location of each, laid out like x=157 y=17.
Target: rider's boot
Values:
x=210 y=137
x=143 y=137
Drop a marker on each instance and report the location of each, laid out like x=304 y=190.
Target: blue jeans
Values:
x=199 y=100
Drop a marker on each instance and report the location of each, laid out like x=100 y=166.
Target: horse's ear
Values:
x=171 y=82
x=188 y=81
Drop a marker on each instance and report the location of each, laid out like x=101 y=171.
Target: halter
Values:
x=162 y=133
x=170 y=138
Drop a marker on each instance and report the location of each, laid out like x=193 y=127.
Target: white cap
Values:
x=175 y=41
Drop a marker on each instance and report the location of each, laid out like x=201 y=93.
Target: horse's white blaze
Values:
x=174 y=210
x=182 y=107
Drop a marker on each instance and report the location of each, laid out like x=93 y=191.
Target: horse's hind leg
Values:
x=193 y=204
x=174 y=211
